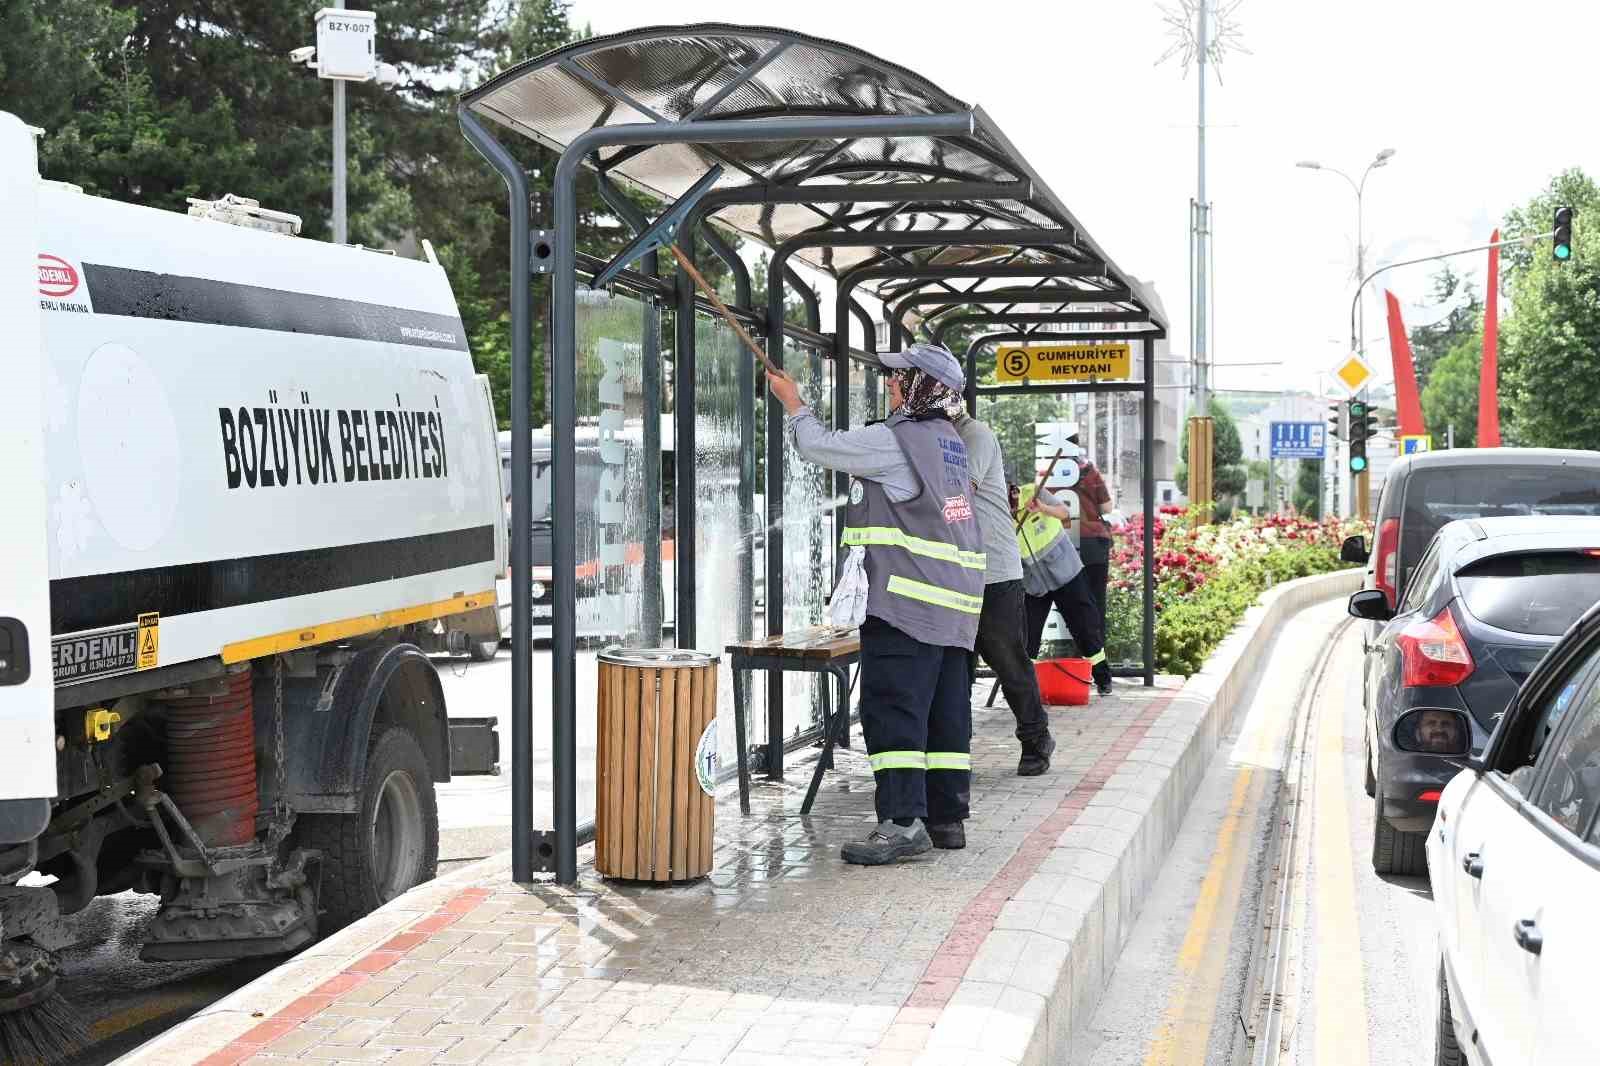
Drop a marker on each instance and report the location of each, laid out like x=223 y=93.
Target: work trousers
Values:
x=916 y=716
x=1002 y=641
x=1096 y=553
x=1076 y=604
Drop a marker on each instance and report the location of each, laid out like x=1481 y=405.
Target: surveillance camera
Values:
x=305 y=54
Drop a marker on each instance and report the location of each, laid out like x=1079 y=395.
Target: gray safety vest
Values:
x=925 y=558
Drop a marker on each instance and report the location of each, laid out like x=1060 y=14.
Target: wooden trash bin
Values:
x=657 y=755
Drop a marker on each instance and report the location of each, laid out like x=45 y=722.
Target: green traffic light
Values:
x=1358 y=463
x=1563 y=251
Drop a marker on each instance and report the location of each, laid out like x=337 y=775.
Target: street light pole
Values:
x=340 y=231
x=1359 y=487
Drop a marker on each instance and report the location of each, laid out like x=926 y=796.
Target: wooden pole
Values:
x=705 y=286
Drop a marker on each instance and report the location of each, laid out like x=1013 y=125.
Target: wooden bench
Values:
x=818 y=650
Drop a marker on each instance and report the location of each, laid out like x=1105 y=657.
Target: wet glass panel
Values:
x=808 y=538
x=729 y=563
x=609 y=524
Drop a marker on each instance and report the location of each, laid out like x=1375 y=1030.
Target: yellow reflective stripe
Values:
x=926 y=593
x=898 y=760
x=949 y=760
x=890 y=537
x=1098 y=657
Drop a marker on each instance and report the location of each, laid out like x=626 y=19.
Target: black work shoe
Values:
x=1102 y=679
x=886 y=844
x=1036 y=756
x=950 y=836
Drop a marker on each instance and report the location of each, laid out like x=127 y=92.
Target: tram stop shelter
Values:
x=829 y=158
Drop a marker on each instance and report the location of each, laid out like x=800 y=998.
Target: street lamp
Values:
x=1360 y=188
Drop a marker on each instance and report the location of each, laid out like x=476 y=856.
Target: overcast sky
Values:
x=1477 y=98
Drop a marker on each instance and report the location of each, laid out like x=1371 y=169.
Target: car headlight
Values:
x=538 y=590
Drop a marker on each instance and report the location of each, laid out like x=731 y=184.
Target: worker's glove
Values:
x=1116 y=520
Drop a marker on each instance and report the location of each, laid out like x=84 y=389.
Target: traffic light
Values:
x=1336 y=422
x=1363 y=424
x=1561 y=248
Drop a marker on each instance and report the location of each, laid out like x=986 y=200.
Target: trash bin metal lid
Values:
x=660 y=658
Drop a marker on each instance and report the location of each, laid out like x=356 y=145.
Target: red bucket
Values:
x=1064 y=682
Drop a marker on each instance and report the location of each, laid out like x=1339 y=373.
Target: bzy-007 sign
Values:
x=1064 y=362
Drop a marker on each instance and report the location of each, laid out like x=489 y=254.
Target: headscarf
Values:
x=925 y=394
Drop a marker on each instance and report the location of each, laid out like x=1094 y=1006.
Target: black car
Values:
x=1487 y=599
x=1423 y=492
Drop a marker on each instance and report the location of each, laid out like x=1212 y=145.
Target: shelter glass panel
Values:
x=609 y=523
x=728 y=557
x=1100 y=479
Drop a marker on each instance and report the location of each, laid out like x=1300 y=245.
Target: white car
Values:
x=1514 y=858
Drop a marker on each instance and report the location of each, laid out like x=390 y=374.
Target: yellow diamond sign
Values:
x=1353 y=373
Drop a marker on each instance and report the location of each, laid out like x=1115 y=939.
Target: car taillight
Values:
x=1433 y=652
x=1430 y=796
x=1386 y=558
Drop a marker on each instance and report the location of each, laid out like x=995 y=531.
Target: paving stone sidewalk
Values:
x=784 y=954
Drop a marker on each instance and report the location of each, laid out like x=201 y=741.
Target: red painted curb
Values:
x=286 y=1020
x=951 y=962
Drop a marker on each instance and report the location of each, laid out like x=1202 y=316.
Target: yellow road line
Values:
x=1185 y=1029
x=1337 y=983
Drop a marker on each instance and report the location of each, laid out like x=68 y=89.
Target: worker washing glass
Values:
x=1096 y=520
x=910 y=509
x=1054 y=573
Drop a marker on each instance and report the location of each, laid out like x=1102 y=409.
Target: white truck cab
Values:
x=249 y=479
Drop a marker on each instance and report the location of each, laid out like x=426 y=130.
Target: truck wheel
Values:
x=1394 y=852
x=483 y=651
x=392 y=845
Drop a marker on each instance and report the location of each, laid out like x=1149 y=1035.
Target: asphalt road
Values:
x=1358 y=983
x=127 y=1001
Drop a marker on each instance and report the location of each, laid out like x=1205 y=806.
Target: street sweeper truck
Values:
x=249 y=480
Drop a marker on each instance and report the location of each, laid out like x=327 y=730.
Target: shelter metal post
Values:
x=521 y=497
x=1147 y=480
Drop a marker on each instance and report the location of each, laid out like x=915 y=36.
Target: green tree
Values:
x=1451 y=396
x=1462 y=318
x=1550 y=366
x=1227 y=453
x=1308 y=488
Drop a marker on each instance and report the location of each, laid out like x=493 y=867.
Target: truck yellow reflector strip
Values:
x=345 y=628
x=926 y=593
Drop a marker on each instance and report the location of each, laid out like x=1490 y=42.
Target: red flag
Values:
x=1489 y=377
x=1408 y=409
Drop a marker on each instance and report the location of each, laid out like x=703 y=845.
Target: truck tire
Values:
x=391 y=845
x=1394 y=852
x=482 y=651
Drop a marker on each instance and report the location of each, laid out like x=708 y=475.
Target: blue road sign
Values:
x=1298 y=440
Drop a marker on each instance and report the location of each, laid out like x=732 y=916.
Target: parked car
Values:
x=1488 y=599
x=1423 y=492
x=1515 y=866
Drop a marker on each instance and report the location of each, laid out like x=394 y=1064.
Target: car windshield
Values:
x=541 y=488
x=1444 y=494
x=1541 y=594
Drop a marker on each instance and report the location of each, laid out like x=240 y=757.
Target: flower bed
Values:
x=1207 y=576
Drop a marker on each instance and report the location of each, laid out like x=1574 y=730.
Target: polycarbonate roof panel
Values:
x=711 y=72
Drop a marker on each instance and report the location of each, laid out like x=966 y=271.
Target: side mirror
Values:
x=1372 y=605
x=1430 y=731
x=1353 y=550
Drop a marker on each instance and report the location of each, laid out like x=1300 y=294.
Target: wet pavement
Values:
x=783 y=953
